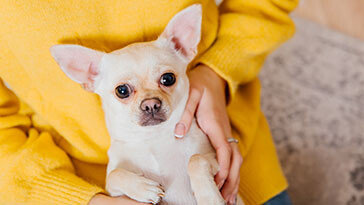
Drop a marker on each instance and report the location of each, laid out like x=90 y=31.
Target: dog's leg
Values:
x=122 y=182
x=202 y=169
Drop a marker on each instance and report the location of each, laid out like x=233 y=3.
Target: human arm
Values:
x=34 y=170
x=102 y=199
x=249 y=30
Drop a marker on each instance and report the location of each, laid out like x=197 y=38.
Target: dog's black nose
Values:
x=151 y=105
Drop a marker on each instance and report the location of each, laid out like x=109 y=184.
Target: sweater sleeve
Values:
x=33 y=169
x=248 y=31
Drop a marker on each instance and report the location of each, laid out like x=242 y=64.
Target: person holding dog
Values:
x=53 y=139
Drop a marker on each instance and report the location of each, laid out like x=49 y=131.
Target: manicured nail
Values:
x=232 y=199
x=227 y=200
x=179 y=131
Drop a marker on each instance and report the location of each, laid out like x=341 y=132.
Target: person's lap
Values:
x=280 y=199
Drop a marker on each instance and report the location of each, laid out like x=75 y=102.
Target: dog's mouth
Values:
x=152 y=119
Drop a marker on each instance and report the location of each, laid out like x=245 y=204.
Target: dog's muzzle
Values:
x=151 y=112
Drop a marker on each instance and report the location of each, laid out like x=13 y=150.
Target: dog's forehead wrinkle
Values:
x=151 y=54
x=143 y=57
x=141 y=66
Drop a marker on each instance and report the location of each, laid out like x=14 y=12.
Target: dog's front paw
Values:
x=121 y=182
x=145 y=190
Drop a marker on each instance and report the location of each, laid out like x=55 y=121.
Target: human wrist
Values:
x=103 y=199
x=219 y=82
x=212 y=75
x=98 y=199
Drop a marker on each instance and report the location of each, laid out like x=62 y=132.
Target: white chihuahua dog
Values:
x=144 y=90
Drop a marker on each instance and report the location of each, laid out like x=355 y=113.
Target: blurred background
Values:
x=313 y=97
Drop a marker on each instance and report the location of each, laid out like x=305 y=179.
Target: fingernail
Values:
x=178 y=136
x=232 y=199
x=227 y=199
x=179 y=131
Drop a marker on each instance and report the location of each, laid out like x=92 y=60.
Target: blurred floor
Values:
x=313 y=97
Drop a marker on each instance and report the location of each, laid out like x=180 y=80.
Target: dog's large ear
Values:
x=184 y=31
x=78 y=63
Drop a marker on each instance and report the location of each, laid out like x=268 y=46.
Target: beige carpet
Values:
x=313 y=97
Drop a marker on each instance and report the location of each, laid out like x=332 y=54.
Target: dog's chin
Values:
x=152 y=120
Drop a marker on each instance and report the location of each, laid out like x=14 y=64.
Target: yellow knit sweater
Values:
x=55 y=151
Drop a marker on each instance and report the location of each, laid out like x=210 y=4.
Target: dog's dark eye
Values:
x=123 y=91
x=168 y=79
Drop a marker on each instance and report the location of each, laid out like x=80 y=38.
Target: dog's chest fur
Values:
x=163 y=159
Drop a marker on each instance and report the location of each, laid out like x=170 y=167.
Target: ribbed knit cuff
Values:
x=61 y=187
x=253 y=195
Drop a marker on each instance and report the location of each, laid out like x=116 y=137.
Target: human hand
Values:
x=101 y=199
x=207 y=101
